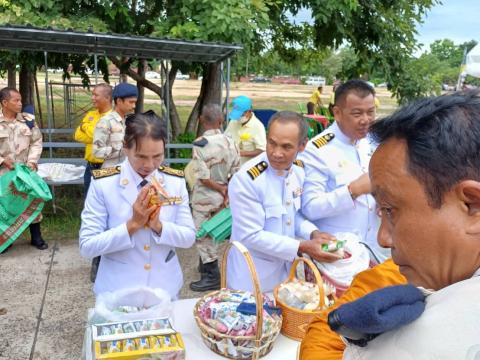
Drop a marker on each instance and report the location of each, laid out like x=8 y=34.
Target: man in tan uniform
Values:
x=108 y=137
x=215 y=158
x=110 y=129
x=20 y=142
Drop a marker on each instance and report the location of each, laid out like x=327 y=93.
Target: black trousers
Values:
x=87 y=176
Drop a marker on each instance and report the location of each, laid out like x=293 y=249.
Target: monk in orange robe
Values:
x=321 y=343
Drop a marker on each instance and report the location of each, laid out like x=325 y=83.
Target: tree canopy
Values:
x=377 y=35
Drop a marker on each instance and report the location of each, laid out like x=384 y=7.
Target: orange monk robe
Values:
x=321 y=343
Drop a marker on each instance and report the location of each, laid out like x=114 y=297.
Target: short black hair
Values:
x=106 y=88
x=357 y=86
x=146 y=125
x=443 y=140
x=284 y=117
x=212 y=112
x=6 y=93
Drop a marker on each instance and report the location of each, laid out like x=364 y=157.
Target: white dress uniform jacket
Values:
x=448 y=329
x=145 y=258
x=265 y=207
x=331 y=164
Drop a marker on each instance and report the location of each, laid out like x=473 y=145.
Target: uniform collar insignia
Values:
x=299 y=163
x=323 y=140
x=256 y=170
x=102 y=173
x=169 y=171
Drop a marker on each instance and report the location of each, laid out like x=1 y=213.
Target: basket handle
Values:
x=316 y=274
x=256 y=285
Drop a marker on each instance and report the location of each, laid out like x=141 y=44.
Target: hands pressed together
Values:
x=144 y=215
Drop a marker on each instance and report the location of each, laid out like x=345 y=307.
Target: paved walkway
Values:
x=44 y=299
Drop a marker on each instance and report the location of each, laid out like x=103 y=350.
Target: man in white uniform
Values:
x=265 y=199
x=337 y=186
x=426 y=179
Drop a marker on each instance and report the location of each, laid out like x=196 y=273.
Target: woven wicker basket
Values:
x=246 y=347
x=295 y=321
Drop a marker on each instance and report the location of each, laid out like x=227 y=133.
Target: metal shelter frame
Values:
x=91 y=43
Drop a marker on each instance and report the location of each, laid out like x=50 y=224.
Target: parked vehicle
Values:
x=260 y=79
x=152 y=75
x=315 y=80
x=181 y=76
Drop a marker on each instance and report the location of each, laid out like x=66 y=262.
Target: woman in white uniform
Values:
x=136 y=241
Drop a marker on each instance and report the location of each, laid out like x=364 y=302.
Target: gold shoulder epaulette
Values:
x=102 y=173
x=323 y=140
x=256 y=170
x=299 y=163
x=170 y=171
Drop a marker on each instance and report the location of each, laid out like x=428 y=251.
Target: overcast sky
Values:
x=458 y=20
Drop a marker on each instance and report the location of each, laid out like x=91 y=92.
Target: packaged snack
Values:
x=138 y=325
x=106 y=330
x=155 y=342
x=147 y=325
x=143 y=344
x=128 y=328
x=114 y=346
x=333 y=246
x=118 y=329
x=300 y=295
x=155 y=338
x=104 y=348
x=160 y=324
x=129 y=345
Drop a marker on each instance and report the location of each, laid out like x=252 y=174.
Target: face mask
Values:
x=243 y=120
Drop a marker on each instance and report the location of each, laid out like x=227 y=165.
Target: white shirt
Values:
x=266 y=219
x=145 y=258
x=448 y=329
x=327 y=202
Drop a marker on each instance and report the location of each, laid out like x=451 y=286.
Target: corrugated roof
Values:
x=74 y=42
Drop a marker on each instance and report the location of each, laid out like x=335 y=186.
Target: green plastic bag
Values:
x=22 y=196
x=218 y=227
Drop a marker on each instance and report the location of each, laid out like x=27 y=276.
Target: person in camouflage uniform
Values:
x=110 y=129
x=20 y=142
x=215 y=158
x=108 y=137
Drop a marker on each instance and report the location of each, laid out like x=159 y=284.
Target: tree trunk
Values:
x=142 y=64
x=26 y=87
x=175 y=127
x=12 y=75
x=209 y=93
x=39 y=106
x=174 y=118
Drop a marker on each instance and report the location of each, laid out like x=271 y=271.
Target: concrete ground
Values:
x=44 y=299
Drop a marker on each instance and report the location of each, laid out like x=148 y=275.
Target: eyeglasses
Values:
x=131 y=117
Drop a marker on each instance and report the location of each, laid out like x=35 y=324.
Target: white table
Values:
x=195 y=349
